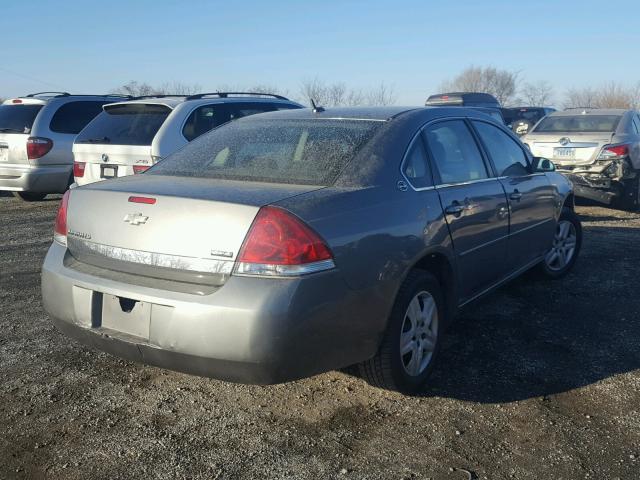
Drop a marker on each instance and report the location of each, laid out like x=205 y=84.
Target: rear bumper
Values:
x=601 y=188
x=251 y=330
x=37 y=179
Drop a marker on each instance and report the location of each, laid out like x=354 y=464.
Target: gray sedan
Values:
x=287 y=244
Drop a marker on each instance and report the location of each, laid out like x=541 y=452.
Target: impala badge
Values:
x=135 y=218
x=564 y=141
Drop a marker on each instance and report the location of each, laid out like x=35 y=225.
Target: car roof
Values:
x=172 y=101
x=42 y=98
x=341 y=113
x=380 y=114
x=590 y=111
x=463 y=98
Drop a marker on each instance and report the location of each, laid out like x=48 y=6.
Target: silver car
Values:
x=291 y=243
x=598 y=149
x=128 y=137
x=36 y=134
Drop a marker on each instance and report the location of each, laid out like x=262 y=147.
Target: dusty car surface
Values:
x=598 y=149
x=291 y=243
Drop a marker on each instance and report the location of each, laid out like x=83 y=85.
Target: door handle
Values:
x=454 y=209
x=516 y=195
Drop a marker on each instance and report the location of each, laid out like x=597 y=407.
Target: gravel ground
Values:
x=540 y=380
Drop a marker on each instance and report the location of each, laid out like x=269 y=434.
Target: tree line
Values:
x=507 y=86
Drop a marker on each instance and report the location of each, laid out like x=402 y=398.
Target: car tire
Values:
x=29 y=196
x=566 y=246
x=408 y=373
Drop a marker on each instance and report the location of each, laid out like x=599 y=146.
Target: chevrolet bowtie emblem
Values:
x=136 y=218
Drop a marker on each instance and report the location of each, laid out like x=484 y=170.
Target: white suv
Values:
x=36 y=135
x=129 y=137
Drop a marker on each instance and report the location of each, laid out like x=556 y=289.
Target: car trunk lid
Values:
x=97 y=157
x=569 y=149
x=175 y=228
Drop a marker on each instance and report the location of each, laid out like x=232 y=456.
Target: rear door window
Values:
x=456 y=155
x=18 y=118
x=126 y=124
x=507 y=156
x=72 y=117
x=416 y=166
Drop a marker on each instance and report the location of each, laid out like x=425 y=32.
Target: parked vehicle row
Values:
x=130 y=136
x=114 y=135
x=289 y=243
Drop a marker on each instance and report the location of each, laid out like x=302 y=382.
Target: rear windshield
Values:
x=134 y=124
x=309 y=152
x=18 y=118
x=578 y=123
x=529 y=115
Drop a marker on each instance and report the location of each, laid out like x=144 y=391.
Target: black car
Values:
x=483 y=102
x=522 y=119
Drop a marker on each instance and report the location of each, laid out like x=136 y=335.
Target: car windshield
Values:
x=18 y=118
x=278 y=151
x=578 y=123
x=125 y=124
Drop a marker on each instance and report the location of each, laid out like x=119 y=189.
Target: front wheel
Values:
x=562 y=255
x=412 y=340
x=29 y=196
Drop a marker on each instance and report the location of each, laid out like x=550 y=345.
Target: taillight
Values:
x=613 y=151
x=279 y=243
x=60 y=229
x=38 y=147
x=140 y=168
x=78 y=169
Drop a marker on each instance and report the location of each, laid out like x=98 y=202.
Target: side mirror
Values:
x=541 y=164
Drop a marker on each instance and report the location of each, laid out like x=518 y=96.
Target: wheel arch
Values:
x=440 y=265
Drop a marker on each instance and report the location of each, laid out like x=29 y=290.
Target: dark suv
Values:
x=483 y=102
x=522 y=119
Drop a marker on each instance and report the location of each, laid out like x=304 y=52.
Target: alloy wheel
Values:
x=419 y=333
x=563 y=248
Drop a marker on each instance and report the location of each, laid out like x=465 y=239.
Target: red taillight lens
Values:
x=619 y=150
x=38 y=147
x=278 y=240
x=140 y=168
x=78 y=169
x=17 y=100
x=60 y=228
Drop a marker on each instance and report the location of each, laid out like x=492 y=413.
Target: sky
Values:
x=411 y=46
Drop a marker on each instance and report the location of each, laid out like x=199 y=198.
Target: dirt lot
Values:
x=539 y=380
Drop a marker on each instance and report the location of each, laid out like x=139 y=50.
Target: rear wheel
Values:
x=567 y=241
x=411 y=343
x=29 y=196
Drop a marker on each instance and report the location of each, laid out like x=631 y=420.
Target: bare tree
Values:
x=137 y=89
x=502 y=84
x=609 y=95
x=539 y=94
x=338 y=94
x=381 y=95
